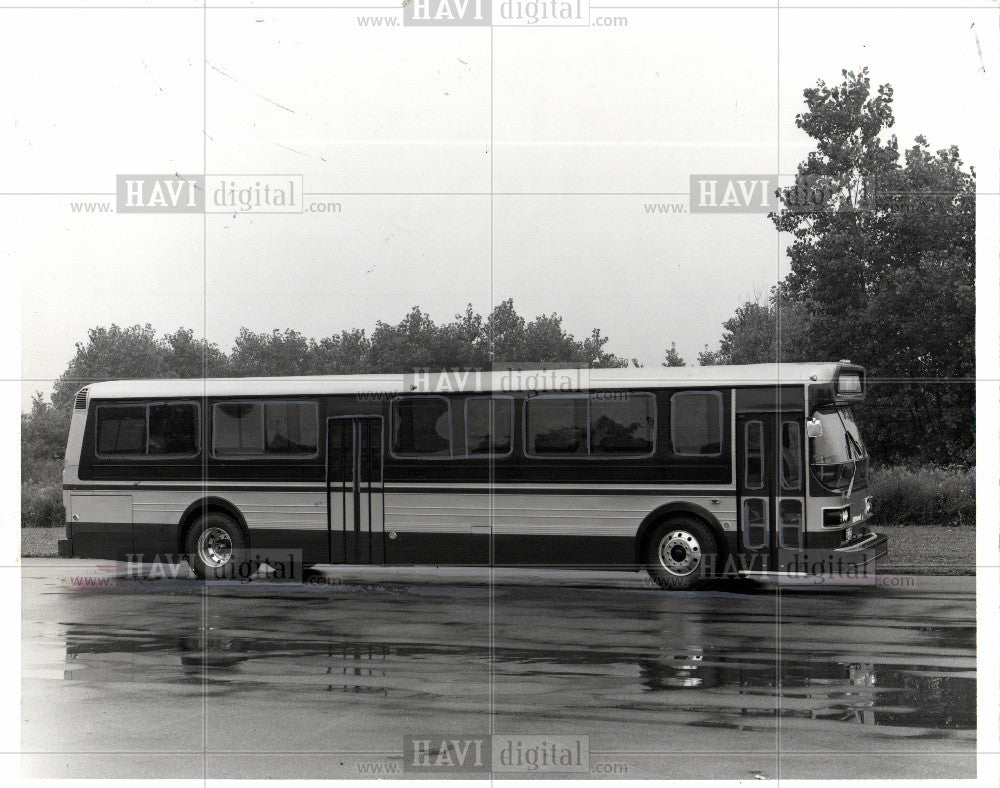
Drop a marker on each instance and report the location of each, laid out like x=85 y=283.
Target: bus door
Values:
x=771 y=490
x=354 y=489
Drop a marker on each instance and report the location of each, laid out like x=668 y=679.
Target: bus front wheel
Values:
x=213 y=545
x=681 y=553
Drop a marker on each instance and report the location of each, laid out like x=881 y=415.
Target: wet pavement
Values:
x=170 y=678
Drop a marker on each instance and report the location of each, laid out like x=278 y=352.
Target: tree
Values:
x=271 y=354
x=417 y=342
x=672 y=358
x=43 y=438
x=882 y=272
x=762 y=332
x=112 y=353
x=188 y=357
x=346 y=353
x=117 y=353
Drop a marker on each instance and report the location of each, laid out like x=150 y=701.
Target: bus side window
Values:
x=622 y=423
x=121 y=429
x=421 y=426
x=489 y=425
x=238 y=429
x=555 y=425
x=173 y=429
x=291 y=427
x=696 y=423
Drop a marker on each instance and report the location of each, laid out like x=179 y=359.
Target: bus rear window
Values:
x=161 y=429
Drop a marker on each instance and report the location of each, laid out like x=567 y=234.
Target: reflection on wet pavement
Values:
x=632 y=669
x=800 y=685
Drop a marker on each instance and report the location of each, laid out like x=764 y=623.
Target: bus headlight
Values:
x=834 y=518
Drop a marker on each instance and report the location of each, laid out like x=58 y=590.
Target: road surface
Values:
x=162 y=677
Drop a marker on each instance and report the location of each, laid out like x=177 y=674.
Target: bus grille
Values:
x=81 y=399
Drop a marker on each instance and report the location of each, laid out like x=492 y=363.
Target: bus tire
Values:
x=680 y=553
x=211 y=544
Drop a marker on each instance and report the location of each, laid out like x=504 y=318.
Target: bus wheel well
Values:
x=202 y=507
x=672 y=511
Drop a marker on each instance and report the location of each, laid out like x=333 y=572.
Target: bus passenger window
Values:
x=696 y=423
x=421 y=426
x=173 y=429
x=291 y=427
x=121 y=429
x=237 y=429
x=488 y=422
x=791 y=456
x=556 y=425
x=622 y=423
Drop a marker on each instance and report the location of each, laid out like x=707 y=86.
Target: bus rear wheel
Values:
x=213 y=545
x=680 y=554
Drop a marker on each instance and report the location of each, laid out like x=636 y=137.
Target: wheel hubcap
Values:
x=215 y=547
x=680 y=553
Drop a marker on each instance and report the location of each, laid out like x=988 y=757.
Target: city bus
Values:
x=690 y=473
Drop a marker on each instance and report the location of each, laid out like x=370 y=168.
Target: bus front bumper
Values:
x=851 y=560
x=866 y=548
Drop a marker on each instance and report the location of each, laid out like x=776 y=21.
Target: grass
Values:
x=930 y=550
x=923 y=496
x=913 y=549
x=40 y=542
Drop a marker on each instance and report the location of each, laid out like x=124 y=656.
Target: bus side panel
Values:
x=585 y=531
x=284 y=519
x=544 y=527
x=100 y=525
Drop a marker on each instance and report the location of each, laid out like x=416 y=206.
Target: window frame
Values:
x=146 y=406
x=589 y=455
x=265 y=454
x=465 y=417
x=423 y=457
x=722 y=423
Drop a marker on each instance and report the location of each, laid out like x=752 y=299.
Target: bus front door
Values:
x=354 y=490
x=771 y=490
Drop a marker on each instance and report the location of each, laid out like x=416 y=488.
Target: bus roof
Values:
x=541 y=380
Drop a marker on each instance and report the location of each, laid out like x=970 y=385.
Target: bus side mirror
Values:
x=814 y=428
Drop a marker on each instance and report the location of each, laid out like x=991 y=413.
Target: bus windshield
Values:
x=834 y=454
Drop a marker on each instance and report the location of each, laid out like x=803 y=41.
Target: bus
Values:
x=690 y=473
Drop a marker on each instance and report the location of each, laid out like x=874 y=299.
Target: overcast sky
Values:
x=583 y=111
